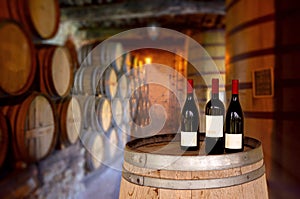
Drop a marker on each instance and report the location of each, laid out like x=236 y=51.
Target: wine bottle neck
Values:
x=190 y=96
x=235 y=97
x=215 y=96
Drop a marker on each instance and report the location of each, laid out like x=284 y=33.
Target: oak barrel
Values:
x=69 y=120
x=122 y=87
x=108 y=85
x=117 y=111
x=33 y=124
x=262 y=50
x=40 y=18
x=86 y=80
x=17 y=59
x=104 y=113
x=102 y=54
x=3 y=138
x=156 y=167
x=96 y=113
x=56 y=70
x=94 y=144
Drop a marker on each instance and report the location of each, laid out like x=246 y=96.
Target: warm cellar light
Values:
x=148 y=60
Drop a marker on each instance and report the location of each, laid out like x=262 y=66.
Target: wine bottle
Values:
x=234 y=123
x=214 y=116
x=189 y=121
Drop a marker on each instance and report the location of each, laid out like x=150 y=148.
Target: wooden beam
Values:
x=140 y=9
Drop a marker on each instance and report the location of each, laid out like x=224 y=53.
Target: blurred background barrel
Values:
x=108 y=83
x=96 y=113
x=34 y=130
x=267 y=67
x=94 y=144
x=102 y=55
x=117 y=111
x=69 y=120
x=56 y=70
x=17 y=59
x=243 y=60
x=40 y=18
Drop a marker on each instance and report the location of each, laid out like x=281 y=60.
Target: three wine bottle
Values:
x=220 y=134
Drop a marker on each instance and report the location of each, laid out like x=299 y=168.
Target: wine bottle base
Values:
x=233 y=150
x=186 y=148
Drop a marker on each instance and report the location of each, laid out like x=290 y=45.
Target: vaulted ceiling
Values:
x=108 y=17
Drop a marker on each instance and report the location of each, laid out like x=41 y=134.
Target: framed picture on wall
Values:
x=263 y=82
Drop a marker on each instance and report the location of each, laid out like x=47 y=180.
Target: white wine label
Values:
x=188 y=138
x=214 y=126
x=233 y=141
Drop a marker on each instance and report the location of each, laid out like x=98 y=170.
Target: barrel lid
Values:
x=123 y=86
x=117 y=111
x=44 y=16
x=104 y=113
x=164 y=152
x=110 y=82
x=36 y=127
x=61 y=70
x=16 y=58
x=74 y=120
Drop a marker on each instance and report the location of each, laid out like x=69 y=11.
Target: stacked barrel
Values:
x=38 y=113
x=102 y=85
x=262 y=51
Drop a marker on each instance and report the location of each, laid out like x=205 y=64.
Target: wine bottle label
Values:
x=233 y=141
x=188 y=138
x=214 y=126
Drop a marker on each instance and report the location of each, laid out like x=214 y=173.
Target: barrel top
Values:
x=45 y=17
x=164 y=152
x=16 y=61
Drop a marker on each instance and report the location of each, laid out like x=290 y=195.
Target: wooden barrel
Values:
x=108 y=83
x=263 y=53
x=17 y=59
x=3 y=138
x=95 y=149
x=86 y=80
x=89 y=114
x=40 y=18
x=56 y=70
x=117 y=111
x=112 y=53
x=156 y=167
x=83 y=54
x=122 y=87
x=96 y=112
x=33 y=124
x=126 y=111
x=70 y=45
x=69 y=120
x=104 y=113
x=102 y=54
